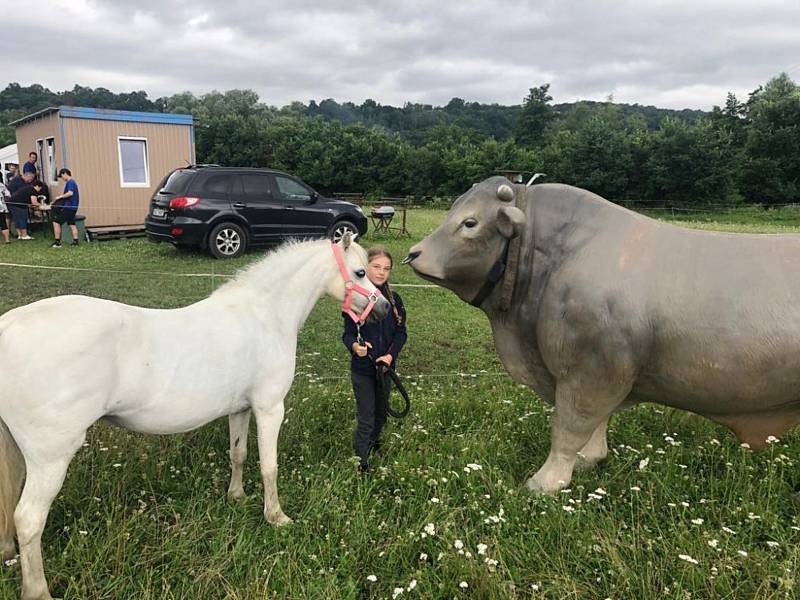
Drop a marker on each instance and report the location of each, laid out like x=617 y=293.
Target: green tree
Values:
x=772 y=146
x=536 y=116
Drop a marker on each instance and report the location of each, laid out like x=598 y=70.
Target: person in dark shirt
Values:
x=24 y=193
x=30 y=166
x=12 y=172
x=380 y=346
x=65 y=207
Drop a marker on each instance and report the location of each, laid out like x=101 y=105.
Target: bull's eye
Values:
x=360 y=273
x=470 y=223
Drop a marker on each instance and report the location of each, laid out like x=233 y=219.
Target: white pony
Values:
x=158 y=371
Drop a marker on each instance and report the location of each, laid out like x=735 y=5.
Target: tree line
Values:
x=741 y=151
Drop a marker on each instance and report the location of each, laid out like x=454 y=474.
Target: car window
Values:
x=255 y=186
x=177 y=181
x=217 y=184
x=292 y=191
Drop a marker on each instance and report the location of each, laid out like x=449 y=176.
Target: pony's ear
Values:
x=347 y=239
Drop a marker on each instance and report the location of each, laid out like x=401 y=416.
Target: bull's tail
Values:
x=12 y=475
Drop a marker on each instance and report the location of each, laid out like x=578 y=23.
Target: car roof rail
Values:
x=201 y=166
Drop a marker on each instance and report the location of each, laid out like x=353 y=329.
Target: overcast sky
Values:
x=677 y=54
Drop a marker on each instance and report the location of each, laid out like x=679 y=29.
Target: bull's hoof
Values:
x=537 y=486
x=7 y=552
x=583 y=463
x=278 y=520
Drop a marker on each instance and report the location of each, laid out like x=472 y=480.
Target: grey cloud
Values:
x=420 y=51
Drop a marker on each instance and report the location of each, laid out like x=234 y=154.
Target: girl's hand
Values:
x=385 y=359
x=360 y=350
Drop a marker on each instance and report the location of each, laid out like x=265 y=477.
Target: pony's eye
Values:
x=470 y=223
x=360 y=273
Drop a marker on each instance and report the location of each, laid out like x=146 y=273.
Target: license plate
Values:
x=159 y=212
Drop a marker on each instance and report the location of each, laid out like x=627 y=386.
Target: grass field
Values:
x=679 y=511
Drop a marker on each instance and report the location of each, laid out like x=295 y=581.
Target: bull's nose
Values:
x=411 y=256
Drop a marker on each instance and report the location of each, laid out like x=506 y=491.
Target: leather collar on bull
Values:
x=505 y=267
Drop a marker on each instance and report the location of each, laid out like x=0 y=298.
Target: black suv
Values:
x=227 y=209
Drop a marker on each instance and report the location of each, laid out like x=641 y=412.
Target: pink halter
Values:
x=351 y=286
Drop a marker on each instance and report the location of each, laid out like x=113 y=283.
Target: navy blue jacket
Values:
x=387 y=337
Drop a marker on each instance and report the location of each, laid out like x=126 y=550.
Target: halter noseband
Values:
x=351 y=286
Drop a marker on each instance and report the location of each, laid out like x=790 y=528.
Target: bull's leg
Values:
x=579 y=412
x=269 y=425
x=596 y=449
x=238 y=425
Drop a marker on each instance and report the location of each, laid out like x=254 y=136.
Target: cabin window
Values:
x=134 y=168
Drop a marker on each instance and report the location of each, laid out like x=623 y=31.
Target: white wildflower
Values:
x=713 y=543
x=463 y=585
x=773 y=544
x=372 y=578
x=643 y=464
x=458 y=544
x=482 y=548
x=742 y=553
x=397 y=591
x=697 y=521
x=412 y=584
x=430 y=529
x=688 y=559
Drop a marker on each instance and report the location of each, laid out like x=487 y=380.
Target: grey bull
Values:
x=597 y=308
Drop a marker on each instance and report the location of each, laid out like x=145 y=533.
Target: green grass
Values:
x=145 y=517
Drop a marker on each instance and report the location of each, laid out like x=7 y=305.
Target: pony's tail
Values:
x=12 y=474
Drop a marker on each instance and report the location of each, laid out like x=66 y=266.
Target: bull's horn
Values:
x=505 y=193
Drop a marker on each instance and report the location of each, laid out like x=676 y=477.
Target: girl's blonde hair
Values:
x=377 y=252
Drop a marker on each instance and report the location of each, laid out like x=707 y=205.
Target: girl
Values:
x=381 y=345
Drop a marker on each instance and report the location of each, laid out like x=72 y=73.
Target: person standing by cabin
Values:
x=65 y=207
x=4 y=223
x=25 y=192
x=377 y=347
x=30 y=165
x=12 y=172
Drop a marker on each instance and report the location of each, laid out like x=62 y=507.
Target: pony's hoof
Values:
x=278 y=520
x=237 y=496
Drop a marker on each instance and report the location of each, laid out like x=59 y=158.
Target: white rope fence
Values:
x=168 y=273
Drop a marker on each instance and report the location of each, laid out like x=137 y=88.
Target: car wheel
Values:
x=339 y=229
x=227 y=240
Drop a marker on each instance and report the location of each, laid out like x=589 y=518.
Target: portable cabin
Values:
x=117 y=157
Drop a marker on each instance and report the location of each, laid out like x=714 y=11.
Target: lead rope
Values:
x=381 y=373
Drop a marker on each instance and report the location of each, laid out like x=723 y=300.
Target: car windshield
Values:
x=177 y=181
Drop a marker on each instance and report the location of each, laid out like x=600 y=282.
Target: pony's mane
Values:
x=275 y=255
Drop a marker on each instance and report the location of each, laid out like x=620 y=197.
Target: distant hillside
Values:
x=412 y=121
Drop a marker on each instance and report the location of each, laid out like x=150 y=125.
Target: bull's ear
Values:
x=510 y=221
